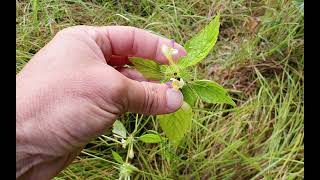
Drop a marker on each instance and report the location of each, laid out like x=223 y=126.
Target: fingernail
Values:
x=179 y=55
x=174 y=99
x=184 y=52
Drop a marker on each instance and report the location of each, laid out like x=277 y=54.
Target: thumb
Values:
x=152 y=98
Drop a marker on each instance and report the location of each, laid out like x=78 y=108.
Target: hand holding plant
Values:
x=70 y=92
x=68 y=95
x=178 y=75
x=175 y=125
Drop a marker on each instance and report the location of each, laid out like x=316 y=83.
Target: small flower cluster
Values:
x=168 y=52
x=177 y=83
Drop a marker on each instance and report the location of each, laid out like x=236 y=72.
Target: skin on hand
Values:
x=70 y=92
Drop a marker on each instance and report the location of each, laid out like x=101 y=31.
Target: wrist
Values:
x=39 y=166
x=36 y=156
x=35 y=160
x=31 y=150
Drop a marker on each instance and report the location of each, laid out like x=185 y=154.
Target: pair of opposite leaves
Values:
x=176 y=125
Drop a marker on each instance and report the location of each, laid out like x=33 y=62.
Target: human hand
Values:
x=69 y=93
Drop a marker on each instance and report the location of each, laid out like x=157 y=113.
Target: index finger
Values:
x=134 y=42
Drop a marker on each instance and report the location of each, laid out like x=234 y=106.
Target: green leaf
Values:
x=177 y=124
x=200 y=45
x=117 y=157
x=148 y=68
x=189 y=95
x=126 y=170
x=211 y=92
x=150 y=138
x=119 y=129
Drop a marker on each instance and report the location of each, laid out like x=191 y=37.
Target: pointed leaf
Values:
x=189 y=95
x=177 y=124
x=119 y=129
x=117 y=157
x=150 y=138
x=200 y=45
x=211 y=92
x=126 y=171
x=148 y=68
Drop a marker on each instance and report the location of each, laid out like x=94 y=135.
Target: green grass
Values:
x=262 y=66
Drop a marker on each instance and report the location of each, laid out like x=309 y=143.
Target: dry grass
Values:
x=259 y=57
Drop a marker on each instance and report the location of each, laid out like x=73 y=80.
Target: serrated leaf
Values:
x=148 y=68
x=119 y=129
x=117 y=157
x=211 y=92
x=177 y=124
x=189 y=95
x=150 y=138
x=201 y=44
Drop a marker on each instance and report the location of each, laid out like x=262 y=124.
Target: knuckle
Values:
x=66 y=30
x=152 y=99
x=72 y=29
x=119 y=94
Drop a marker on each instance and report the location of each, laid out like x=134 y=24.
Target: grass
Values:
x=259 y=57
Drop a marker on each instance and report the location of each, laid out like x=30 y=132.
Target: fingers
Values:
x=132 y=74
x=135 y=42
x=152 y=98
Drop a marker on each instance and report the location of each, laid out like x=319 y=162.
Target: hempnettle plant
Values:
x=174 y=125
